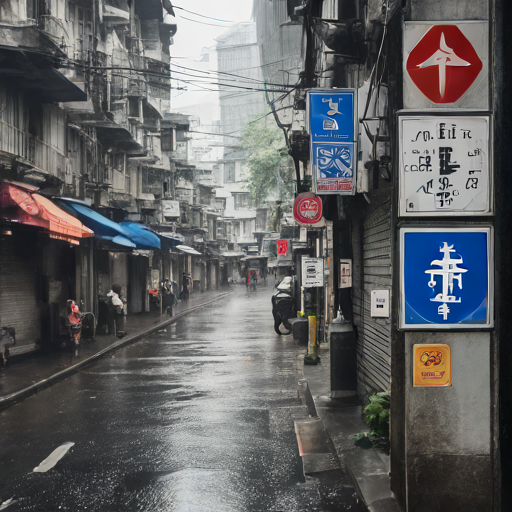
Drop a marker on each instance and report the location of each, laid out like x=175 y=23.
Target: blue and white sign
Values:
x=446 y=278
x=332 y=125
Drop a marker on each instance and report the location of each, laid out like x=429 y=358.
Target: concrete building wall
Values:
x=434 y=10
x=448 y=429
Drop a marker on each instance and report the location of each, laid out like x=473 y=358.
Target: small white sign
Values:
x=312 y=272
x=171 y=209
x=445 y=165
x=380 y=304
x=345 y=277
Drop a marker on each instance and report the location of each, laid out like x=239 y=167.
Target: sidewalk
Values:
x=33 y=373
x=336 y=419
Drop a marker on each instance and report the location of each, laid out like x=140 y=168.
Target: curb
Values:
x=19 y=396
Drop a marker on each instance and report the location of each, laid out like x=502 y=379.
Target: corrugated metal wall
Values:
x=372 y=271
x=20 y=280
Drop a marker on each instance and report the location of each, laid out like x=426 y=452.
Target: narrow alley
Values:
x=196 y=417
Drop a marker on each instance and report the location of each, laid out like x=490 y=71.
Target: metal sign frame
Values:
x=427 y=159
x=487 y=303
x=326 y=145
x=477 y=96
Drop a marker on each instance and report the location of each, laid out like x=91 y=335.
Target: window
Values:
x=241 y=201
x=167 y=140
x=229 y=172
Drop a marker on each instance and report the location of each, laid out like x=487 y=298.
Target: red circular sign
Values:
x=443 y=64
x=307 y=208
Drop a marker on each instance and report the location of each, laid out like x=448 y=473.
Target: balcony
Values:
x=116 y=11
x=32 y=151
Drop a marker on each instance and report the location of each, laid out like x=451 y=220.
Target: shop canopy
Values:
x=104 y=229
x=141 y=235
x=23 y=205
x=169 y=240
x=188 y=250
x=127 y=234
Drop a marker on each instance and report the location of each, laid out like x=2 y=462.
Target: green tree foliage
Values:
x=271 y=171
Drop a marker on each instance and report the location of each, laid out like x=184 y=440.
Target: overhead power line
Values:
x=202 y=15
x=203 y=22
x=225 y=81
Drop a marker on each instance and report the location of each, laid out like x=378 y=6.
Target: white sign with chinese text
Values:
x=445 y=165
x=312 y=272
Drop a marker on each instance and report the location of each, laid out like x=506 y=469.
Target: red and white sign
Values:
x=307 y=208
x=446 y=64
x=282 y=247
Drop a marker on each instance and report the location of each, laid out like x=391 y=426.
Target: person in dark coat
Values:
x=185 y=292
x=7 y=339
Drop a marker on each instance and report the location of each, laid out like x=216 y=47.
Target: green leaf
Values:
x=271 y=170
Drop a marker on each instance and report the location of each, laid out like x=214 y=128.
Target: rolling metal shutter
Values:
x=19 y=278
x=374 y=342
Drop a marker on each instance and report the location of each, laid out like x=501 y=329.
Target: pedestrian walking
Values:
x=7 y=339
x=185 y=292
x=116 y=312
x=74 y=327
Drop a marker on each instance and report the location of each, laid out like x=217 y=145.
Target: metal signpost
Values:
x=446 y=278
x=445 y=165
x=332 y=125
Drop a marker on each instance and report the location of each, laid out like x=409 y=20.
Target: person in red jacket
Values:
x=74 y=326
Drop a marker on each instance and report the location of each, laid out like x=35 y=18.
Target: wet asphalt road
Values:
x=196 y=418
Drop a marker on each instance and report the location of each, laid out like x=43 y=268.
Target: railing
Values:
x=23 y=145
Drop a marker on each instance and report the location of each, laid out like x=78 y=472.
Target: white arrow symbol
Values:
x=443 y=57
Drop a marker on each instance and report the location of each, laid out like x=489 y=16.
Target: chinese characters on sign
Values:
x=446 y=65
x=446 y=278
x=331 y=115
x=445 y=165
x=432 y=366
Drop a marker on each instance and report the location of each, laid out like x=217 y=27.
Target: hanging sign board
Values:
x=445 y=165
x=446 y=278
x=171 y=209
x=446 y=65
x=432 y=366
x=282 y=247
x=312 y=272
x=332 y=125
x=307 y=209
x=345 y=276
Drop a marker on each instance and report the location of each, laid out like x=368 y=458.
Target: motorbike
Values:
x=283 y=306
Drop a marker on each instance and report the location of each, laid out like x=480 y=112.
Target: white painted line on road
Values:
x=7 y=503
x=53 y=458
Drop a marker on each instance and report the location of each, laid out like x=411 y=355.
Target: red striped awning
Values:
x=24 y=206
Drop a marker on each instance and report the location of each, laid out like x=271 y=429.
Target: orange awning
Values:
x=19 y=204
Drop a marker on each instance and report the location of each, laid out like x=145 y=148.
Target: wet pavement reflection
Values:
x=196 y=417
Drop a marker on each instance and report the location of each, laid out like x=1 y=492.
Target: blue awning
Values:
x=168 y=240
x=141 y=235
x=104 y=229
x=127 y=234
